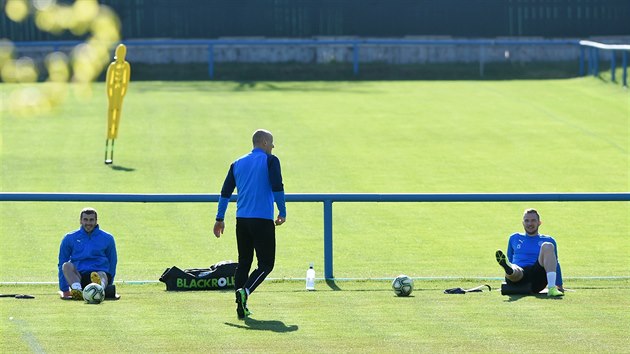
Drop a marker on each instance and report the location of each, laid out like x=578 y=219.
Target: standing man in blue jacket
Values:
x=532 y=257
x=87 y=255
x=258 y=179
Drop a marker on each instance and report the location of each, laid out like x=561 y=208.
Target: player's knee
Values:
x=547 y=247
x=267 y=267
x=67 y=266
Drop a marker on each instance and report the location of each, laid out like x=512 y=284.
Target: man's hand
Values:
x=280 y=220
x=219 y=226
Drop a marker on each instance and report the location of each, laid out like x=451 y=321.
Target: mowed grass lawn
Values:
x=331 y=137
x=360 y=317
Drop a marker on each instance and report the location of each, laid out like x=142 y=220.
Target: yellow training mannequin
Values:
x=117 y=80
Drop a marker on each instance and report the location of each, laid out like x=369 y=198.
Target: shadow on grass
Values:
x=260 y=325
x=121 y=168
x=250 y=73
x=512 y=298
x=332 y=285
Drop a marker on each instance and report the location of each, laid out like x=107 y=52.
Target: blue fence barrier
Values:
x=593 y=59
x=355 y=44
x=326 y=199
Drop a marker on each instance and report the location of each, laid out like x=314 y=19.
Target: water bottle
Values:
x=310 y=278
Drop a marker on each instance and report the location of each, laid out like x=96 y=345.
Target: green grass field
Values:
x=332 y=137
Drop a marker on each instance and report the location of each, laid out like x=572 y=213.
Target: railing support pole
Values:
x=582 y=60
x=624 y=63
x=595 y=62
x=211 y=61
x=355 y=59
x=328 y=239
x=482 y=59
x=613 y=66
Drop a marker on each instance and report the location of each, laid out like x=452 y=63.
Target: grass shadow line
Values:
x=515 y=297
x=121 y=168
x=262 y=325
x=332 y=285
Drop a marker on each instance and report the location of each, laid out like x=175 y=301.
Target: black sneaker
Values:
x=503 y=262
x=241 y=301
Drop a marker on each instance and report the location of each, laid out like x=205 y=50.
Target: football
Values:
x=93 y=293
x=402 y=285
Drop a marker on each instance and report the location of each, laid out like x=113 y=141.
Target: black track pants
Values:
x=258 y=235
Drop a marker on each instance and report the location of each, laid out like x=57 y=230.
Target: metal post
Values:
x=328 y=239
x=581 y=60
x=481 y=59
x=355 y=58
x=624 y=63
x=595 y=62
x=211 y=61
x=613 y=66
x=591 y=61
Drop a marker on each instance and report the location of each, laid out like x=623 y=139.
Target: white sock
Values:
x=102 y=281
x=551 y=279
x=76 y=286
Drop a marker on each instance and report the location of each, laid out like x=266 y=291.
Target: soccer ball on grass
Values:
x=94 y=293
x=402 y=285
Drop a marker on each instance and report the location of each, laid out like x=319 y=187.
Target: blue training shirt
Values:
x=94 y=252
x=523 y=251
x=258 y=178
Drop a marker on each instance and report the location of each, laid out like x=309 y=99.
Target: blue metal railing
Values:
x=593 y=59
x=326 y=199
x=355 y=44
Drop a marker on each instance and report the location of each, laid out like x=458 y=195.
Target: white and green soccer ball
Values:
x=402 y=285
x=94 y=293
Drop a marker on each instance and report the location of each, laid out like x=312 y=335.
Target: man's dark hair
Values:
x=532 y=211
x=88 y=211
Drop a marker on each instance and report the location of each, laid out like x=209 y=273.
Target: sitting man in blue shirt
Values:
x=532 y=258
x=87 y=255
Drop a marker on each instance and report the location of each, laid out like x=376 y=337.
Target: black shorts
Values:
x=85 y=279
x=536 y=275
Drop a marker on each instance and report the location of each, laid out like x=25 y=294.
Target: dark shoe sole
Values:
x=239 y=313
x=501 y=259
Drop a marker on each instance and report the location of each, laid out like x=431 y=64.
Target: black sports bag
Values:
x=219 y=276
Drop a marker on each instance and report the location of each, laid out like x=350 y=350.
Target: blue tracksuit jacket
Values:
x=258 y=178
x=89 y=253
